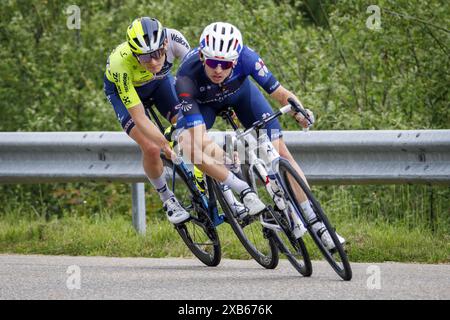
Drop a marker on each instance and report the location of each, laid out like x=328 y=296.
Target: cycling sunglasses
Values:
x=213 y=63
x=147 y=57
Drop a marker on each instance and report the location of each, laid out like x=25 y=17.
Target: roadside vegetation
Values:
x=351 y=76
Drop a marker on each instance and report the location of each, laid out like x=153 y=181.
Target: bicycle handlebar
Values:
x=292 y=106
x=297 y=107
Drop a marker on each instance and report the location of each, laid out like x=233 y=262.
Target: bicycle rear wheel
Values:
x=198 y=233
x=337 y=257
x=258 y=241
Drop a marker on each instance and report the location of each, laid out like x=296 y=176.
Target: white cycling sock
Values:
x=236 y=184
x=306 y=207
x=227 y=194
x=161 y=186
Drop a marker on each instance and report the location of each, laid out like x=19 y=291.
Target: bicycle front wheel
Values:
x=293 y=183
x=258 y=241
x=199 y=233
x=294 y=249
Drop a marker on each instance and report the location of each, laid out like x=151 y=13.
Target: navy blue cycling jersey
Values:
x=197 y=91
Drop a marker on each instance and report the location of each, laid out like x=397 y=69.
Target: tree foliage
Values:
x=351 y=76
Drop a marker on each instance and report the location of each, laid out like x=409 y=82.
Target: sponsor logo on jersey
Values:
x=186 y=106
x=261 y=68
x=265 y=115
x=128 y=124
x=116 y=77
x=274 y=86
x=125 y=82
x=178 y=106
x=126 y=100
x=180 y=40
x=194 y=123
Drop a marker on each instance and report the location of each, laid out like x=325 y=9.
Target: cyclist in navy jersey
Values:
x=215 y=76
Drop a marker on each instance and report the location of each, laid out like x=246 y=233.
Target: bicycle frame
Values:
x=261 y=166
x=209 y=204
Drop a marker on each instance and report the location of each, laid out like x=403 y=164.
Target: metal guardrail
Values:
x=327 y=157
x=375 y=157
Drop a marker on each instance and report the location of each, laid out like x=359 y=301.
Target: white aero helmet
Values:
x=221 y=40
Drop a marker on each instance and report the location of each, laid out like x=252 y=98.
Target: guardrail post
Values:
x=138 y=207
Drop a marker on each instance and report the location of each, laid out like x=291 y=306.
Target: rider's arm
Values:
x=179 y=45
x=186 y=90
x=253 y=65
x=132 y=102
x=147 y=127
x=281 y=95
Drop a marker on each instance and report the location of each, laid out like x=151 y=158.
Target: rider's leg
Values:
x=151 y=160
x=152 y=163
x=166 y=99
x=284 y=152
x=153 y=167
x=209 y=157
x=252 y=106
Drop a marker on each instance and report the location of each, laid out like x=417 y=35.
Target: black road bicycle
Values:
x=200 y=198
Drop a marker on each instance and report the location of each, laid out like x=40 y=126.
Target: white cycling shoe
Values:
x=238 y=209
x=252 y=202
x=322 y=232
x=175 y=212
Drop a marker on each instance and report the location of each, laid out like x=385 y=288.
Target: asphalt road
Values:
x=63 y=277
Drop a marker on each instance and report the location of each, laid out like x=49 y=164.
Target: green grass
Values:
x=380 y=223
x=113 y=235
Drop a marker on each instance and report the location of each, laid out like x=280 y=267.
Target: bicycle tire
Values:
x=199 y=222
x=294 y=249
x=342 y=268
x=268 y=260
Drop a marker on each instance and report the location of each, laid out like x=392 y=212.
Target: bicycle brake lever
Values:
x=298 y=108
